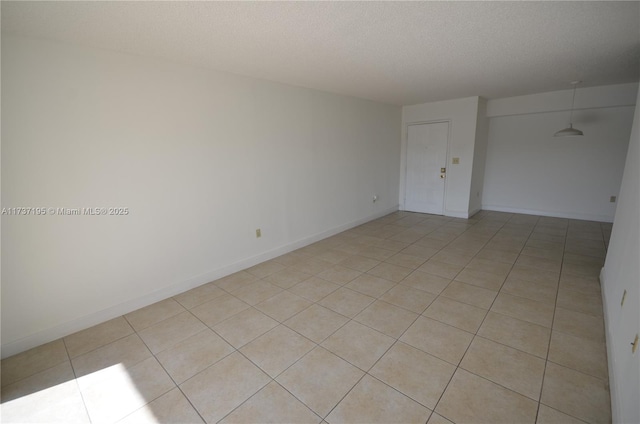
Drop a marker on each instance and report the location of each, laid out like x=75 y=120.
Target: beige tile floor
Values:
x=408 y=318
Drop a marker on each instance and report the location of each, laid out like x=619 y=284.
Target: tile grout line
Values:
x=546 y=362
x=365 y=372
x=75 y=377
x=551 y=335
x=400 y=230
x=474 y=335
x=154 y=355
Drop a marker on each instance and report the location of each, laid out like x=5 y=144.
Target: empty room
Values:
x=320 y=212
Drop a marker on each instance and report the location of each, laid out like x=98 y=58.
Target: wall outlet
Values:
x=612 y=199
x=258 y=233
x=455 y=161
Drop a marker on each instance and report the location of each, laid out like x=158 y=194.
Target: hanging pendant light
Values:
x=570 y=131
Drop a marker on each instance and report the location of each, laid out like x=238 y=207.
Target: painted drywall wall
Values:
x=530 y=171
x=479 y=158
x=622 y=272
x=462 y=115
x=200 y=159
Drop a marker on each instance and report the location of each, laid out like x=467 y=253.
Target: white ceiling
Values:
x=395 y=52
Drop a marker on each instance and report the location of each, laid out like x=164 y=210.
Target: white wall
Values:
x=622 y=272
x=479 y=158
x=201 y=159
x=530 y=171
x=462 y=115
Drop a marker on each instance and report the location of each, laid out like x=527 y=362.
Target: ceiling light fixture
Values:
x=570 y=131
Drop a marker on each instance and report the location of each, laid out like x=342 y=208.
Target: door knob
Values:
x=441 y=175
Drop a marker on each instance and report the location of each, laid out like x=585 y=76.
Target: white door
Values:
x=426 y=167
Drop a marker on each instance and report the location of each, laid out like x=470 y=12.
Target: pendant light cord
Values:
x=571 y=131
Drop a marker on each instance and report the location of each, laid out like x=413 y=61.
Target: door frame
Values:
x=405 y=148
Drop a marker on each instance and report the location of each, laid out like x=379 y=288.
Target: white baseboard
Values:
x=453 y=214
x=78 y=324
x=474 y=211
x=555 y=214
x=457 y=214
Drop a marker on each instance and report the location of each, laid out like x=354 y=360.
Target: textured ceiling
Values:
x=395 y=52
